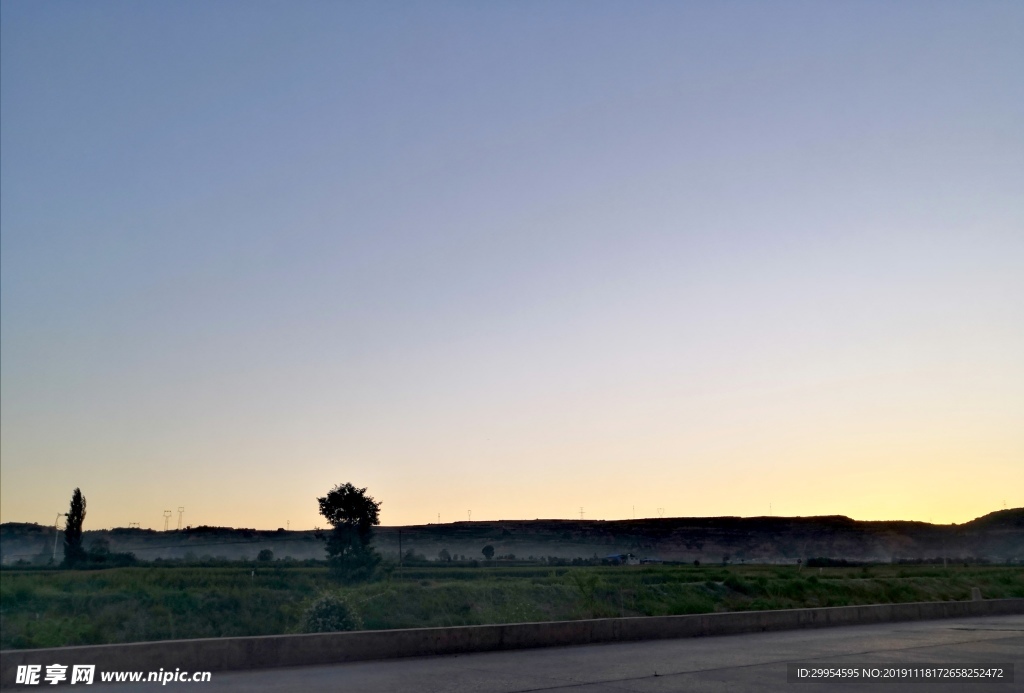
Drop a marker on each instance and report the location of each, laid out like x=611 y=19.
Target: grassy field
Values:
x=53 y=608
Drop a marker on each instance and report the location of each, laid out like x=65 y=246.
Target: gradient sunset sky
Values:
x=680 y=258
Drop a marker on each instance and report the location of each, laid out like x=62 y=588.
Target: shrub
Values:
x=735 y=583
x=329 y=613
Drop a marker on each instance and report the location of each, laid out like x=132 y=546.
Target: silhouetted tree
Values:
x=74 y=553
x=352 y=514
x=488 y=552
x=265 y=555
x=443 y=555
x=412 y=557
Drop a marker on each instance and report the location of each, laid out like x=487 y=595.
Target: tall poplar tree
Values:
x=73 y=551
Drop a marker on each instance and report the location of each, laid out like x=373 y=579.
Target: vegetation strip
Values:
x=59 y=608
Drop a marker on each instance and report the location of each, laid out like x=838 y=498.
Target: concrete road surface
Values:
x=752 y=662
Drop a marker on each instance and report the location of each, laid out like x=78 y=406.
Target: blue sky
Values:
x=516 y=258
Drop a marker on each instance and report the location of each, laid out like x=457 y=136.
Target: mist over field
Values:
x=995 y=538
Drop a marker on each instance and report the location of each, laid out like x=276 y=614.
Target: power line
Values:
x=56 y=533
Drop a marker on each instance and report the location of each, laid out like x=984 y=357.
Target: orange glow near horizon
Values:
x=692 y=258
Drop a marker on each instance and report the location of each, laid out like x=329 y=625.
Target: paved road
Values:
x=752 y=662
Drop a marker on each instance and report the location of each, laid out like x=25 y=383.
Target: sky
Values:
x=511 y=260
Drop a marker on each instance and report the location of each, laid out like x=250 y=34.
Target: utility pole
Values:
x=399 y=548
x=469 y=515
x=167 y=519
x=181 y=511
x=581 y=512
x=56 y=533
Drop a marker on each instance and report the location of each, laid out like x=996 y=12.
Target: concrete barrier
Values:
x=226 y=654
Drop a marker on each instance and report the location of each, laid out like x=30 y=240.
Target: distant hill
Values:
x=998 y=537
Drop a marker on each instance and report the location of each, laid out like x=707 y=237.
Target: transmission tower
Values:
x=581 y=512
x=167 y=519
x=181 y=511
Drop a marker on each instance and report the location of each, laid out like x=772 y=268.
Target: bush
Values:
x=329 y=613
x=738 y=584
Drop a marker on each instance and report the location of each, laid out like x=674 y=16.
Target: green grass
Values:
x=53 y=608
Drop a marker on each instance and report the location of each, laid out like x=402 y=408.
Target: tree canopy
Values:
x=350 y=507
